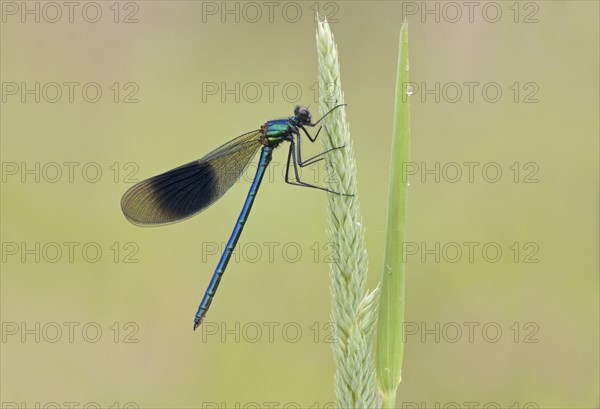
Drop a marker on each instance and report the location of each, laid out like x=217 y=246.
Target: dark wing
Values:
x=187 y=190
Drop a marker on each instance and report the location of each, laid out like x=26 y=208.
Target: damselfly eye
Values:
x=303 y=114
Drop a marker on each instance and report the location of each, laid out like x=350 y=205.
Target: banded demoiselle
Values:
x=187 y=190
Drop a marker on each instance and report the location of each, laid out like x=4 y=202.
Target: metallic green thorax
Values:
x=277 y=131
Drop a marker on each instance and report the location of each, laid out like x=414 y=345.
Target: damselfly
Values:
x=187 y=190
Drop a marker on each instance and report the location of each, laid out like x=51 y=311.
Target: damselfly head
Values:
x=303 y=115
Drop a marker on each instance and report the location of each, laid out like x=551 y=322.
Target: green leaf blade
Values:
x=390 y=345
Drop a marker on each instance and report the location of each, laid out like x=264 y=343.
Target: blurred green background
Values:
x=194 y=69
